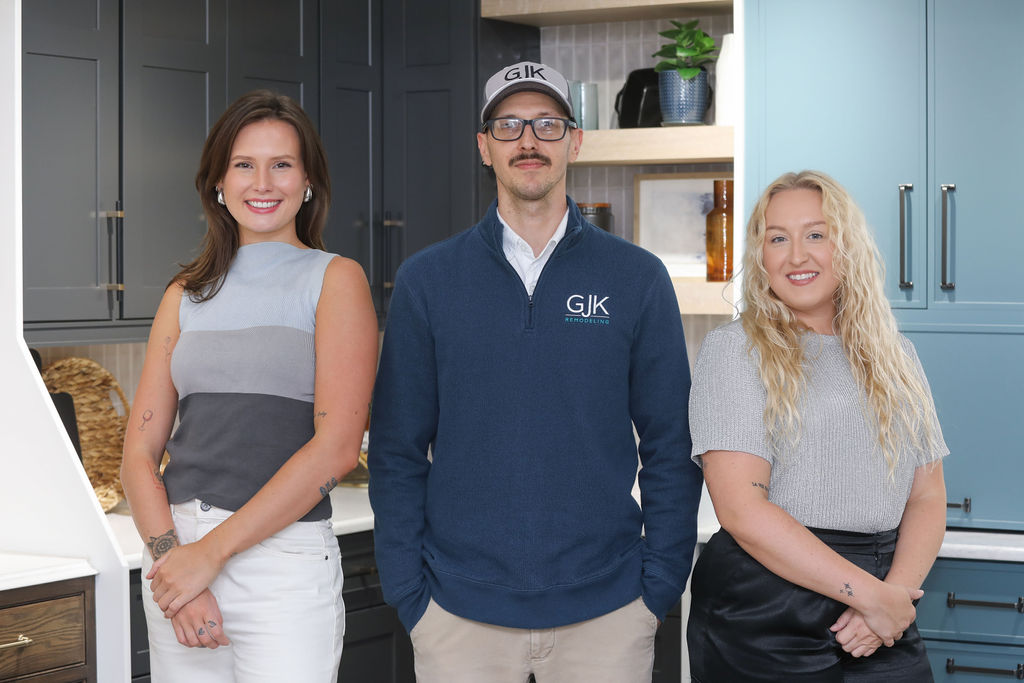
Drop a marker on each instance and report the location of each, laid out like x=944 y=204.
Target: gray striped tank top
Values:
x=244 y=370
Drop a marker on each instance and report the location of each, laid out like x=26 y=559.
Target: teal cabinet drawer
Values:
x=974 y=663
x=949 y=611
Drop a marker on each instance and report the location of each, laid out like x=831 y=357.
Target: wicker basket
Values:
x=100 y=426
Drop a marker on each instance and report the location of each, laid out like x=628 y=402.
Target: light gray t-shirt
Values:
x=837 y=477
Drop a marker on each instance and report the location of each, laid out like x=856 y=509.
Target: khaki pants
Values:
x=617 y=647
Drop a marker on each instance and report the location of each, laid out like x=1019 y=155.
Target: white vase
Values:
x=727 y=84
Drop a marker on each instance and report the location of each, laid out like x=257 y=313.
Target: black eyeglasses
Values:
x=547 y=128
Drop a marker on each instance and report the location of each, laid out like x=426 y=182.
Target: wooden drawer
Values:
x=58 y=619
x=944 y=614
x=974 y=663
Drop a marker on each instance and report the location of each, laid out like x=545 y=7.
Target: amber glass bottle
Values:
x=719 y=234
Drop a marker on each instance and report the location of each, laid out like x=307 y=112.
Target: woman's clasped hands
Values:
x=181 y=574
x=861 y=633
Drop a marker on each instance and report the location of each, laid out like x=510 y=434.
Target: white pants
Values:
x=617 y=647
x=280 y=601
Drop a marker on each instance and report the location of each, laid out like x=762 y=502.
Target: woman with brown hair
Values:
x=814 y=424
x=264 y=348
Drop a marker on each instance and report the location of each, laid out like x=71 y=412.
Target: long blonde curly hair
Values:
x=898 y=402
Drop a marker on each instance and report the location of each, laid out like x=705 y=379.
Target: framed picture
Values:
x=669 y=217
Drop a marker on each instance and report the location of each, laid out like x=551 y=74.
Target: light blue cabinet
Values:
x=916 y=107
x=882 y=95
x=972 y=620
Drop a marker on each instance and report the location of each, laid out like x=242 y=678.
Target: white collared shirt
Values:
x=520 y=254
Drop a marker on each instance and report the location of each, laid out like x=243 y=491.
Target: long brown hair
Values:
x=898 y=402
x=203 y=276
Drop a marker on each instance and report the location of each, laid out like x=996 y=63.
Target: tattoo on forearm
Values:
x=847 y=590
x=158 y=478
x=161 y=544
x=328 y=486
x=759 y=485
x=146 y=417
x=320 y=413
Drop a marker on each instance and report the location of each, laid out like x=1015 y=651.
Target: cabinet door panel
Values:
x=816 y=99
x=430 y=113
x=70 y=162
x=977 y=111
x=977 y=381
x=173 y=92
x=350 y=128
x=275 y=45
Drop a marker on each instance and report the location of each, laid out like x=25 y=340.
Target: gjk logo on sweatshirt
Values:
x=588 y=309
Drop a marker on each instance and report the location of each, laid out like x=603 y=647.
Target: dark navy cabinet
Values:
x=398 y=119
x=117 y=102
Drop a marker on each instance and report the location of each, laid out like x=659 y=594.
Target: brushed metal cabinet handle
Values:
x=904 y=266
x=946 y=189
x=22 y=641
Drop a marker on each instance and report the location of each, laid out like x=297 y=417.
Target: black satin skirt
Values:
x=747 y=624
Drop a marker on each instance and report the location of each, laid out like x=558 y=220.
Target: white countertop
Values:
x=351 y=506
x=964 y=545
x=18 y=570
x=352 y=513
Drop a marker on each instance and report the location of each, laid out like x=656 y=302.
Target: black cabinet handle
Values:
x=952 y=667
x=904 y=282
x=953 y=601
x=965 y=506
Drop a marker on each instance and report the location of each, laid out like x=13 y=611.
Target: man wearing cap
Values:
x=518 y=358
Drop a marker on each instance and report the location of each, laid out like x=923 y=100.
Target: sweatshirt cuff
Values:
x=659 y=595
x=412 y=606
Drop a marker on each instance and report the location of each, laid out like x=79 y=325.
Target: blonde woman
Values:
x=814 y=424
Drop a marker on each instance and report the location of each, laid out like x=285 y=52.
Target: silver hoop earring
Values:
x=309 y=194
x=220 y=197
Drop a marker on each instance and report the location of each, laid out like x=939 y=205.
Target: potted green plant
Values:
x=682 y=80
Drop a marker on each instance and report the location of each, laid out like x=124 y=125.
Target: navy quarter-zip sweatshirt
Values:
x=522 y=514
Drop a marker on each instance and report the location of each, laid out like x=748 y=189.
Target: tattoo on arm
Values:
x=146 y=417
x=759 y=485
x=157 y=477
x=160 y=545
x=320 y=413
x=328 y=486
x=847 y=590
x=167 y=348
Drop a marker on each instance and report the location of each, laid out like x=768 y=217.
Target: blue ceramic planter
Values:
x=683 y=101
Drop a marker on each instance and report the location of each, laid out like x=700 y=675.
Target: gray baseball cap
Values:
x=525 y=76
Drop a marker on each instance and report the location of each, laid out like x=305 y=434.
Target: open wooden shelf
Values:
x=552 y=13
x=697 y=296
x=662 y=145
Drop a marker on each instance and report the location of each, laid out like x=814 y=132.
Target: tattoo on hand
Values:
x=759 y=485
x=212 y=624
x=146 y=417
x=202 y=631
x=847 y=589
x=328 y=486
x=161 y=544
